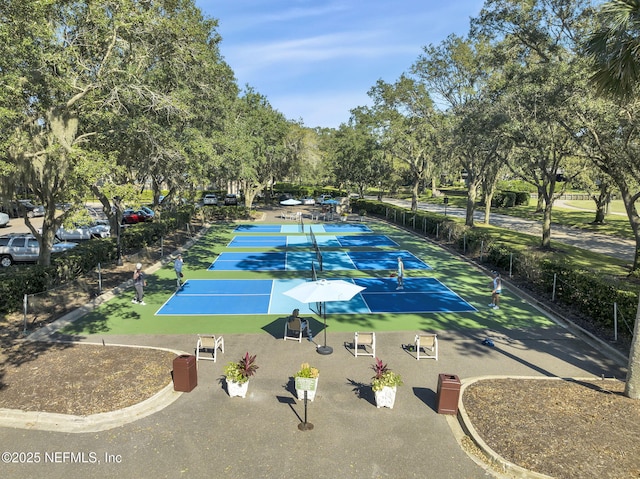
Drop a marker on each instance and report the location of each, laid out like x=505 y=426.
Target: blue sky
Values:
x=315 y=60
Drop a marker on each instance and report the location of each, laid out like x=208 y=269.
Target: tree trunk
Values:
x=487 y=207
x=546 y=226
x=634 y=220
x=632 y=386
x=472 y=195
x=540 y=202
x=414 y=194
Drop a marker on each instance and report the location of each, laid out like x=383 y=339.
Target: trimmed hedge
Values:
x=65 y=267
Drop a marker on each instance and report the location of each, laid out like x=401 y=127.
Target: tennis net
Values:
x=319 y=257
x=314 y=241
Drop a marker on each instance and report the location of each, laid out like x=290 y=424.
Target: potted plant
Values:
x=344 y=215
x=238 y=373
x=384 y=384
x=306 y=379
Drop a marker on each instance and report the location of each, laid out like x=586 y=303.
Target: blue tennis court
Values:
x=237 y=297
x=324 y=241
x=296 y=228
x=301 y=261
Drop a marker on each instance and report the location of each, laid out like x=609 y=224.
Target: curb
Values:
x=43 y=421
x=508 y=468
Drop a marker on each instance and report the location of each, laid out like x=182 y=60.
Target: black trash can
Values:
x=448 y=394
x=185 y=373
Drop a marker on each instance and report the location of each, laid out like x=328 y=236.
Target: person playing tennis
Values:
x=495 y=292
x=400 y=273
x=177 y=266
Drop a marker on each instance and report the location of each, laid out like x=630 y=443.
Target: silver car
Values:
x=16 y=248
x=85 y=232
x=4 y=219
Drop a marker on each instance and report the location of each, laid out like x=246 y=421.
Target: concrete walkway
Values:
x=204 y=433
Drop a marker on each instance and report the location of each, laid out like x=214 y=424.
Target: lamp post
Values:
x=116 y=202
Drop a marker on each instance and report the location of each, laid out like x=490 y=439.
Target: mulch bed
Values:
x=82 y=379
x=564 y=429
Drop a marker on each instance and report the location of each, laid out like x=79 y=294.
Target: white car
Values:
x=4 y=219
x=308 y=201
x=210 y=200
x=85 y=232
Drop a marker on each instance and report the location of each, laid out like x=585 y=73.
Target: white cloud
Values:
x=252 y=57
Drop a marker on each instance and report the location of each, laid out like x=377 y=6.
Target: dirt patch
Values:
x=563 y=429
x=83 y=379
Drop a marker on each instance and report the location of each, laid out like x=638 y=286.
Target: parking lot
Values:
x=17 y=225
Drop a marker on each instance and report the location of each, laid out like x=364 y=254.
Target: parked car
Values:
x=84 y=232
x=15 y=209
x=98 y=216
x=31 y=209
x=230 y=199
x=308 y=201
x=16 y=248
x=4 y=219
x=210 y=200
x=148 y=212
x=322 y=198
x=131 y=216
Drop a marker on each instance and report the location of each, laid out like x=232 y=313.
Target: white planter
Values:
x=386 y=397
x=311 y=391
x=237 y=389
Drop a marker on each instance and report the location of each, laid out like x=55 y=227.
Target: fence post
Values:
x=99 y=279
x=615 y=321
x=481 y=249
x=162 y=246
x=553 y=291
x=464 y=243
x=25 y=302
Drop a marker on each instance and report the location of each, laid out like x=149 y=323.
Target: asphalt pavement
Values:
x=205 y=433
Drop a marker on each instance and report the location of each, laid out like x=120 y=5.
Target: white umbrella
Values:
x=322 y=291
x=290 y=202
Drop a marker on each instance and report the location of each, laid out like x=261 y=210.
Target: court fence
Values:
x=601 y=304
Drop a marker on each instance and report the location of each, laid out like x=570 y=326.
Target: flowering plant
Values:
x=241 y=371
x=307 y=371
x=384 y=377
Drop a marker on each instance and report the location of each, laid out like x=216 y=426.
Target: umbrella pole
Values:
x=325 y=349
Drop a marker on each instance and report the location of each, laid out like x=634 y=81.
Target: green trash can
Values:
x=185 y=373
x=448 y=394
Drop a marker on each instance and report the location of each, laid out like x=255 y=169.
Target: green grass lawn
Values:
x=120 y=316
